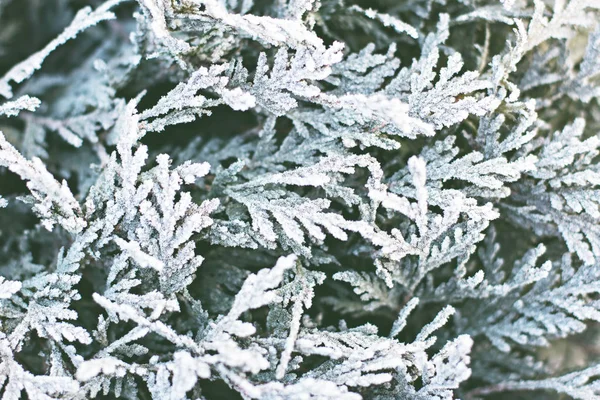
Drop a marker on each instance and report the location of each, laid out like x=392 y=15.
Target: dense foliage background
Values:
x=299 y=199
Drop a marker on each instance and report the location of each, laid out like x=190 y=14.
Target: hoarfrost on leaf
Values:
x=299 y=199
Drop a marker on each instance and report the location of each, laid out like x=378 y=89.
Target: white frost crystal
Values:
x=299 y=199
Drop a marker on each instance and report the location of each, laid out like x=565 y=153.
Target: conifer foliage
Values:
x=299 y=199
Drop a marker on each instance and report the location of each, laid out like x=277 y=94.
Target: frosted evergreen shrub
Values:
x=299 y=199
